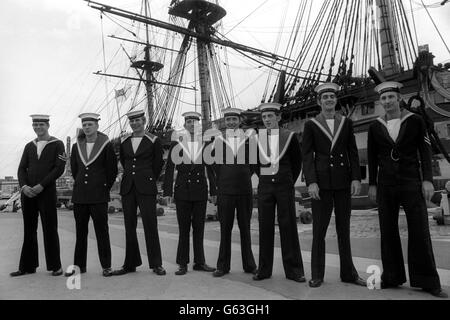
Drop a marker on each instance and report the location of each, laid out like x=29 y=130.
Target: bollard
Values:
x=445 y=209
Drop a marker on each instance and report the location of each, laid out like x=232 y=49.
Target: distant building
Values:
x=8 y=186
x=65 y=182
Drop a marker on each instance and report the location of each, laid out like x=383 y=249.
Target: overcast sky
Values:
x=51 y=47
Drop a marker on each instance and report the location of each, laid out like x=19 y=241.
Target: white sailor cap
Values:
x=327 y=87
x=271 y=106
x=232 y=112
x=388 y=86
x=135 y=114
x=192 y=115
x=40 y=117
x=89 y=116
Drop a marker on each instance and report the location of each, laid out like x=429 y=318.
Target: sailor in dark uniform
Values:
x=400 y=174
x=94 y=168
x=234 y=192
x=41 y=164
x=280 y=164
x=190 y=191
x=333 y=175
x=141 y=156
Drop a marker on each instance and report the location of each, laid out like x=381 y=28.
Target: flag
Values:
x=122 y=94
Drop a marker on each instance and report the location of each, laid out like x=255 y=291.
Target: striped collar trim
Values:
x=150 y=137
x=239 y=146
x=147 y=135
x=188 y=152
x=281 y=155
x=334 y=138
x=403 y=118
x=51 y=140
x=100 y=144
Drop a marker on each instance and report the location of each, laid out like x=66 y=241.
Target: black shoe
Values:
x=107 y=272
x=438 y=293
x=159 y=271
x=182 y=270
x=386 y=285
x=203 y=267
x=19 y=273
x=358 y=281
x=259 y=277
x=57 y=273
x=300 y=279
x=123 y=271
x=219 y=273
x=315 y=283
x=68 y=274
x=254 y=271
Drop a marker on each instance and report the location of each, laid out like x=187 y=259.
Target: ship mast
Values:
x=148 y=72
x=202 y=15
x=390 y=64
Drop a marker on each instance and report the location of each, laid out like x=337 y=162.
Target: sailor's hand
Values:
x=373 y=193
x=428 y=190
x=37 y=189
x=356 y=188
x=64 y=157
x=213 y=200
x=28 y=191
x=313 y=191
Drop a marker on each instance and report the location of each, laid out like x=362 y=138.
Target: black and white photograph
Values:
x=225 y=155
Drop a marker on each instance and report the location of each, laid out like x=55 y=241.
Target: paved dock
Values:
x=145 y=285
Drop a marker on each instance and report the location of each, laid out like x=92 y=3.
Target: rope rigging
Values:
x=330 y=50
x=340 y=45
x=435 y=26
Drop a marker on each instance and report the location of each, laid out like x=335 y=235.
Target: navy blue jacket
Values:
x=143 y=168
x=190 y=183
x=233 y=174
x=94 y=176
x=45 y=170
x=405 y=161
x=330 y=159
x=281 y=173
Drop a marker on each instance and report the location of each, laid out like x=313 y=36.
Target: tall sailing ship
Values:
x=354 y=43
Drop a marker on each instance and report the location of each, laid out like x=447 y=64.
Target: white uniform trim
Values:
x=152 y=138
x=52 y=139
x=188 y=152
x=336 y=136
x=86 y=162
x=338 y=133
x=383 y=122
x=235 y=152
x=402 y=120
x=125 y=137
x=427 y=139
x=323 y=129
x=48 y=142
x=267 y=158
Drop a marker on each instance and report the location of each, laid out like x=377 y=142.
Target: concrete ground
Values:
x=237 y=285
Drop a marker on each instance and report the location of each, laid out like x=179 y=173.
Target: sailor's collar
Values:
x=404 y=115
x=147 y=135
x=100 y=143
x=50 y=140
x=321 y=122
x=285 y=137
